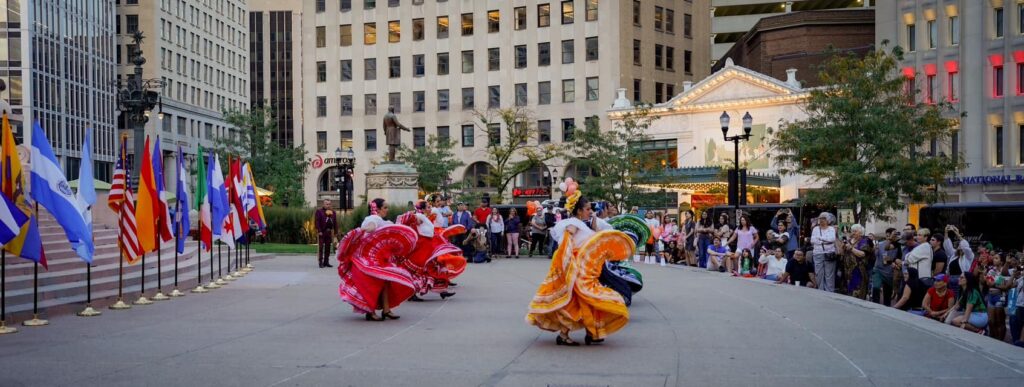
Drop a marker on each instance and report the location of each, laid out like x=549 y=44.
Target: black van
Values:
x=978 y=222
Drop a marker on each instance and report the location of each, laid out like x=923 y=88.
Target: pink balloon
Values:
x=571 y=188
x=569 y=180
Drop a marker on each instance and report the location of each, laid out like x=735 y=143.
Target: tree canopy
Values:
x=277 y=168
x=435 y=162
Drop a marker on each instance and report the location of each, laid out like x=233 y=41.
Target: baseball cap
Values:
x=942 y=277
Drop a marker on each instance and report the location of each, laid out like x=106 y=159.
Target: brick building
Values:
x=799 y=40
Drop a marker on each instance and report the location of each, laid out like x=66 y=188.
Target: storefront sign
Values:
x=532 y=192
x=701 y=201
x=975 y=180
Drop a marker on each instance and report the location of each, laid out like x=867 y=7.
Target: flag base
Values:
x=220 y=282
x=238 y=274
x=120 y=305
x=248 y=267
x=177 y=293
x=213 y=285
x=89 y=311
x=35 y=322
x=229 y=277
x=160 y=296
x=6 y=330
x=143 y=301
x=198 y=289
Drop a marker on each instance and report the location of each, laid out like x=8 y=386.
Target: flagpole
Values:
x=159 y=296
x=213 y=284
x=89 y=311
x=220 y=267
x=4 y=329
x=35 y=321
x=238 y=259
x=177 y=240
x=120 y=304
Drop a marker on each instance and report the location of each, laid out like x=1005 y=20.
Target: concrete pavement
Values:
x=284 y=325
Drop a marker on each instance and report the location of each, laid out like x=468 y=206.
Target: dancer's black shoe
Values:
x=445 y=295
x=559 y=340
x=415 y=298
x=591 y=340
x=373 y=317
x=389 y=315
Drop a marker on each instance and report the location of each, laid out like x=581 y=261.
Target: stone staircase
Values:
x=62 y=288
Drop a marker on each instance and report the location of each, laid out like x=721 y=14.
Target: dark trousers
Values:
x=882 y=293
x=537 y=242
x=1016 y=323
x=495 y=239
x=324 y=248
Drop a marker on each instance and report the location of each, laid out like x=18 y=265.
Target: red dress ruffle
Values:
x=435 y=261
x=368 y=260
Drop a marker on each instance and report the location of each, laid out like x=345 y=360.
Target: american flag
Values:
x=116 y=195
x=129 y=243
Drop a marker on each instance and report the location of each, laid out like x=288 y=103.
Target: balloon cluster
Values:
x=569 y=186
x=532 y=207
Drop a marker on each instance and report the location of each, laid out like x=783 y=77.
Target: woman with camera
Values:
x=961 y=257
x=823 y=245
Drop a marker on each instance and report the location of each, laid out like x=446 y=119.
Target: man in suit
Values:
x=465 y=218
x=326 y=225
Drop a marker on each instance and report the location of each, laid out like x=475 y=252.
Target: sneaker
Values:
x=721 y=269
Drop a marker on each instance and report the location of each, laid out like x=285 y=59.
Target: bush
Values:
x=290 y=225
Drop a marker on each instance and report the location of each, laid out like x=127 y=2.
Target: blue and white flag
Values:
x=182 y=225
x=51 y=190
x=11 y=220
x=86 y=185
x=218 y=194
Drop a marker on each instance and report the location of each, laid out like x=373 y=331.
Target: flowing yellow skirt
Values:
x=572 y=298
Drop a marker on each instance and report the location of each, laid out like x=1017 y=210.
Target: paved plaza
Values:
x=284 y=325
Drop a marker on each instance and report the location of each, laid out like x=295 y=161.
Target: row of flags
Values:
x=143 y=213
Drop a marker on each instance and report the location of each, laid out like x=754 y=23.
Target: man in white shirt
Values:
x=921 y=256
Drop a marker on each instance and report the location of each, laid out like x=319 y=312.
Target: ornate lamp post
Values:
x=737 y=190
x=345 y=161
x=136 y=98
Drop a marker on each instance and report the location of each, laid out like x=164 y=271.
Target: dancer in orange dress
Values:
x=435 y=261
x=571 y=296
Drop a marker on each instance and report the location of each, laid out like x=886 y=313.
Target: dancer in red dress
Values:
x=435 y=261
x=370 y=265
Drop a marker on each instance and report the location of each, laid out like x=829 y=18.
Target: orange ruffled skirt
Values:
x=572 y=298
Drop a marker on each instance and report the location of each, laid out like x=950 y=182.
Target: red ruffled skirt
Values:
x=367 y=261
x=435 y=261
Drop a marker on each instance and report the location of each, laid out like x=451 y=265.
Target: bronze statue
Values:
x=392 y=133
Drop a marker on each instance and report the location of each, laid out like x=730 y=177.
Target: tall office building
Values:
x=731 y=19
x=57 y=63
x=275 y=64
x=438 y=61
x=959 y=51
x=200 y=49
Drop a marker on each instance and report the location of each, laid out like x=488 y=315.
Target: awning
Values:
x=702 y=178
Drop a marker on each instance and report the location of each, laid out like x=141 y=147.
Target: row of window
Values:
x=664 y=19
x=494 y=16
x=443 y=99
x=999 y=138
x=996 y=21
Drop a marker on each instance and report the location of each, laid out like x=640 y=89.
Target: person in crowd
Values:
x=920 y=256
x=650 y=249
x=326 y=226
x=512 y=234
x=970 y=312
x=998 y=281
x=705 y=232
x=439 y=210
x=669 y=235
x=913 y=293
x=775 y=263
x=741 y=264
x=538 y=233
x=799 y=271
x=724 y=229
x=745 y=237
x=477 y=243
x=718 y=255
x=792 y=227
x=961 y=257
x=886 y=252
x=483 y=212
x=670 y=253
x=688 y=238
x=496 y=227
x=463 y=218
x=823 y=245
x=939 y=257
x=938 y=301
x=778 y=237
x=855 y=251
x=1017 y=315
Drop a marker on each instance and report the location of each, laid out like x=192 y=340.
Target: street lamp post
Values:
x=136 y=97
x=738 y=190
x=345 y=162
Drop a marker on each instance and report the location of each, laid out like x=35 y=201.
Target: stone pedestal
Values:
x=395 y=182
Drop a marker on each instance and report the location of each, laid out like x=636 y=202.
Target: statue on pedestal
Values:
x=392 y=132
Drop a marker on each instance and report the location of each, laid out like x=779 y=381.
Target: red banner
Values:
x=534 y=192
x=701 y=201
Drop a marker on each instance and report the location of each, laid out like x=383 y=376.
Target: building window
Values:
x=467 y=136
x=493 y=134
x=592 y=48
x=394 y=3
x=520 y=18
x=442 y=63
x=132 y=24
x=911 y=37
x=395 y=102
x=371 y=139
x=592 y=89
x=395 y=67
x=953 y=89
x=419 y=137
x=687 y=25
x=520 y=94
x=591 y=10
x=544 y=93
x=321 y=141
x=568 y=90
x=493 y=59
x=442 y=100
x=321 y=106
x=521 y=56
x=345 y=5
x=1020 y=80
x=659 y=18
x=636 y=90
x=688 y=62
x=929 y=92
x=997 y=15
x=636 y=52
x=467 y=62
x=1020 y=144
x=417 y=29
x=543 y=15
x=346 y=70
x=954 y=30
x=543 y=131
x=568 y=15
x=543 y=54
x=370 y=33
x=997 y=81
x=442 y=135
x=321 y=36
x=493 y=21
x=657 y=56
x=568 y=51
x=370 y=69
x=370 y=104
x=467 y=24
x=345 y=35
x=419 y=101
x=933 y=32
x=636 y=12
x=442 y=27
x=394 y=31
x=468 y=98
x=321 y=72
x=494 y=97
x=670 y=91
x=419 y=65
x=346 y=105
x=321 y=5
x=999 y=145
x=568 y=129
x=670 y=21
x=670 y=62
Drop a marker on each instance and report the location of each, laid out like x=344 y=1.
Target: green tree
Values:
x=512 y=145
x=275 y=167
x=866 y=139
x=434 y=162
x=620 y=166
